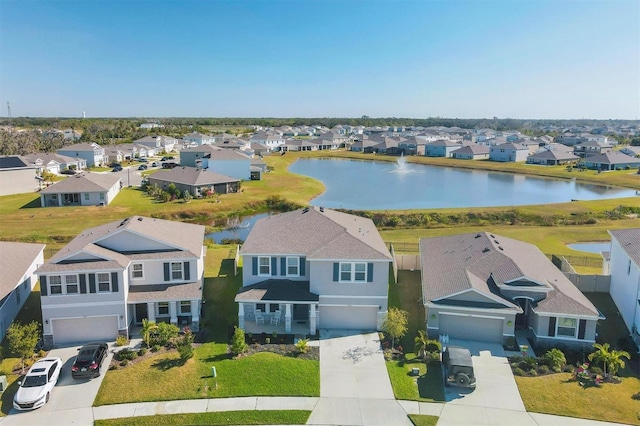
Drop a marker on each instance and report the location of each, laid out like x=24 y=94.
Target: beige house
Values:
x=17 y=176
x=85 y=189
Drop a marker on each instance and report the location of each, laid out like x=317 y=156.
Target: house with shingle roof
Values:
x=18 y=262
x=624 y=268
x=508 y=152
x=441 y=148
x=195 y=180
x=472 y=151
x=552 y=157
x=85 y=189
x=111 y=277
x=613 y=160
x=92 y=153
x=17 y=175
x=313 y=268
x=54 y=163
x=483 y=286
x=229 y=162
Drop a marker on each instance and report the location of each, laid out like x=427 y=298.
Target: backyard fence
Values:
x=590 y=283
x=404 y=247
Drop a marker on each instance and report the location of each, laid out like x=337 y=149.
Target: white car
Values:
x=35 y=388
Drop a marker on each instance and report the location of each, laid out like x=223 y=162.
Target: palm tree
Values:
x=423 y=344
x=615 y=360
x=147 y=327
x=602 y=354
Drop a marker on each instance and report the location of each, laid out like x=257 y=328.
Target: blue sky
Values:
x=306 y=58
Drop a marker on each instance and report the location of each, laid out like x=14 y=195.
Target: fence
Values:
x=404 y=247
x=407 y=262
x=576 y=260
x=590 y=283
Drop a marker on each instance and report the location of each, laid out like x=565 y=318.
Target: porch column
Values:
x=195 y=310
x=287 y=318
x=151 y=311
x=312 y=319
x=241 y=315
x=60 y=200
x=173 y=309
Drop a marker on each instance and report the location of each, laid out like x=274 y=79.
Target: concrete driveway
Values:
x=354 y=383
x=71 y=400
x=496 y=398
x=129 y=175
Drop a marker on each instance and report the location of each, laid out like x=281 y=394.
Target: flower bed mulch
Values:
x=313 y=352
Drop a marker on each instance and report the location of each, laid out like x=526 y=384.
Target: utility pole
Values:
x=9 y=112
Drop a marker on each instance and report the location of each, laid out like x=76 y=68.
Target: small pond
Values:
x=236 y=228
x=376 y=185
x=595 y=247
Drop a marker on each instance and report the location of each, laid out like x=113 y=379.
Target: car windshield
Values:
x=86 y=355
x=34 y=381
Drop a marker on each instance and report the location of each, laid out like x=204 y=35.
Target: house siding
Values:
x=625 y=284
x=18 y=181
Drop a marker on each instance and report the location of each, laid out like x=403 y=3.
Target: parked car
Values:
x=68 y=172
x=154 y=164
x=142 y=167
x=35 y=388
x=169 y=165
x=114 y=165
x=117 y=168
x=458 y=367
x=143 y=160
x=88 y=363
x=167 y=158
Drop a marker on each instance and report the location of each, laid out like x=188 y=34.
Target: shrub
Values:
x=124 y=363
x=185 y=349
x=555 y=358
x=162 y=334
x=122 y=340
x=142 y=351
x=568 y=368
x=126 y=355
x=595 y=370
x=301 y=345
x=544 y=369
x=41 y=353
x=518 y=371
x=155 y=348
x=636 y=396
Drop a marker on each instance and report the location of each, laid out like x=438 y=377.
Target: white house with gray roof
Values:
x=313 y=268
x=229 y=162
x=85 y=189
x=111 y=277
x=92 y=153
x=482 y=286
x=624 y=267
x=508 y=152
x=17 y=175
x=18 y=262
x=195 y=180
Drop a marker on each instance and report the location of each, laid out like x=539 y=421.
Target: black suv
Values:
x=458 y=367
x=88 y=363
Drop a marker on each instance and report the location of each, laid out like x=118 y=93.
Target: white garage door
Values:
x=82 y=330
x=349 y=317
x=471 y=328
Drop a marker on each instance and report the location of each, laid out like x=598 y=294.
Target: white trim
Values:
x=286 y=272
x=132 y=269
x=454 y=314
x=353 y=297
x=562 y=338
x=82 y=305
x=348 y=306
x=471 y=309
x=558 y=315
x=352 y=272
x=269 y=265
x=490 y=297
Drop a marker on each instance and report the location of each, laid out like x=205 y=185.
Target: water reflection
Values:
x=236 y=228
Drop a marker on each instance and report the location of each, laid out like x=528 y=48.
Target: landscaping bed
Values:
x=289 y=350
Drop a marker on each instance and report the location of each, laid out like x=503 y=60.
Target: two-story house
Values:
x=624 y=267
x=313 y=268
x=111 y=277
x=92 y=153
x=508 y=152
x=17 y=175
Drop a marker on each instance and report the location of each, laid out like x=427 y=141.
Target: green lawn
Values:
x=427 y=387
x=264 y=374
x=406 y=294
x=423 y=420
x=284 y=417
x=555 y=394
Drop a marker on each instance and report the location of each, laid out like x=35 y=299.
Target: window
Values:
x=55 y=285
x=185 y=307
x=567 y=327
x=71 y=282
x=293 y=266
x=274 y=307
x=104 y=282
x=629 y=267
x=264 y=266
x=102 y=196
x=260 y=306
x=136 y=271
x=163 y=308
x=353 y=272
x=18 y=296
x=176 y=270
x=86 y=196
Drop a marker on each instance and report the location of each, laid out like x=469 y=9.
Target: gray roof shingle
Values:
x=15 y=258
x=84 y=182
x=629 y=240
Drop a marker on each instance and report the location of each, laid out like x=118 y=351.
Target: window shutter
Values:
x=92 y=283
x=83 y=284
x=283 y=266
x=582 y=328
x=369 y=272
x=114 y=282
x=254 y=265
x=552 y=326
x=187 y=271
x=43 y=285
x=336 y=271
x=274 y=266
x=167 y=271
x=303 y=265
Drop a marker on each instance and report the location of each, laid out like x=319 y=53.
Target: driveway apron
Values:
x=354 y=383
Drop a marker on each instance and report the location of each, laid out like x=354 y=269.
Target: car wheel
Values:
x=47 y=398
x=462 y=379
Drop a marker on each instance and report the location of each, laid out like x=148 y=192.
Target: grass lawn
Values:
x=406 y=294
x=555 y=394
x=612 y=329
x=264 y=374
x=423 y=420
x=427 y=387
x=284 y=417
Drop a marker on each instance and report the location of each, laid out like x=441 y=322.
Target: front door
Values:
x=300 y=312
x=522 y=320
x=141 y=312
